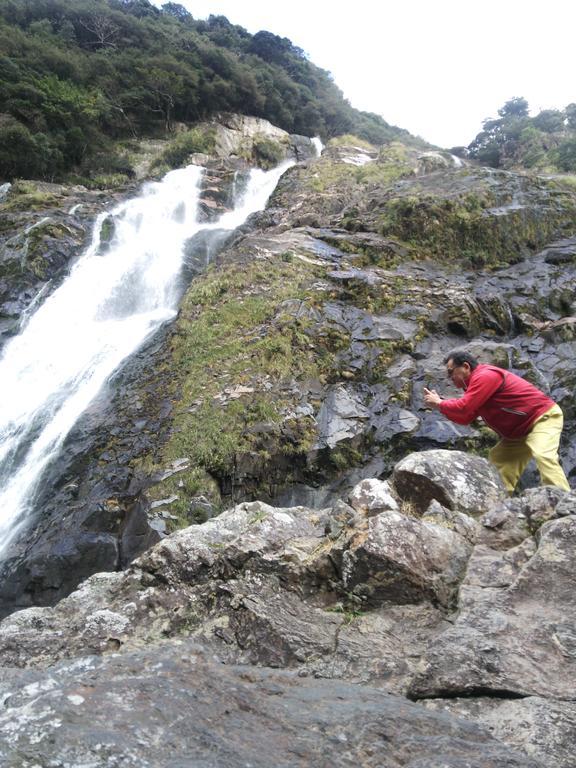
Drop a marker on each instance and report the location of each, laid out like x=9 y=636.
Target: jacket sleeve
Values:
x=463 y=410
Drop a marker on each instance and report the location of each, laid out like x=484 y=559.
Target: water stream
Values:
x=116 y=296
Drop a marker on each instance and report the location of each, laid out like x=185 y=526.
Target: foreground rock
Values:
x=327 y=591
x=545 y=729
x=363 y=594
x=172 y=706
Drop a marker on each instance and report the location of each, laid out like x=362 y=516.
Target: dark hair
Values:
x=459 y=357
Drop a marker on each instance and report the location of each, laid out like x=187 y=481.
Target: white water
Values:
x=107 y=307
x=318 y=146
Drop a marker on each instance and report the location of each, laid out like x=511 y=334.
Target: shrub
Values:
x=186 y=144
x=266 y=152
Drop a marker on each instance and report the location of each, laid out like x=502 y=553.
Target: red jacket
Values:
x=506 y=402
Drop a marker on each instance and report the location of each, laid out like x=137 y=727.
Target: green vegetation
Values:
x=25 y=196
x=186 y=144
x=79 y=76
x=349 y=614
x=232 y=335
x=267 y=152
x=456 y=229
x=393 y=162
x=546 y=142
x=243 y=332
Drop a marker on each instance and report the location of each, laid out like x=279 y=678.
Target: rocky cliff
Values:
x=294 y=372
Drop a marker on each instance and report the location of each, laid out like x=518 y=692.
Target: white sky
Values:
x=435 y=67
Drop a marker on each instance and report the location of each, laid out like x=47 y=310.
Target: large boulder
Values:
x=281 y=587
x=457 y=480
x=400 y=559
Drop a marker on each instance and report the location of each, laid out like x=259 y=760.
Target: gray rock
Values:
x=504 y=526
x=495 y=569
x=341 y=417
x=539 y=505
x=394 y=421
x=457 y=480
x=458 y=522
x=544 y=729
x=267 y=586
x=514 y=636
x=401 y=559
x=372 y=496
x=173 y=706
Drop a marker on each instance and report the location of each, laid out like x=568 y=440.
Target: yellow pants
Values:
x=510 y=457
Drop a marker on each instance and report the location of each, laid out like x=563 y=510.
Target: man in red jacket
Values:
x=528 y=421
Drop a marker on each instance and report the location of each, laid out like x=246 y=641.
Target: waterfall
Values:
x=318 y=146
x=117 y=295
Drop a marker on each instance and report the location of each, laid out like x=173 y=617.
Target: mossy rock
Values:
x=480 y=228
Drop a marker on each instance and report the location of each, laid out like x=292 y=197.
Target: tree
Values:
x=570 y=113
x=103 y=30
x=177 y=11
x=18 y=152
x=75 y=74
x=567 y=155
x=515 y=107
x=549 y=121
x=499 y=139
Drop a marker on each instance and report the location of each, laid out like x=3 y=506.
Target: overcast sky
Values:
x=435 y=67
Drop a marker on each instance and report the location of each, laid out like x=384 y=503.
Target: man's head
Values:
x=459 y=366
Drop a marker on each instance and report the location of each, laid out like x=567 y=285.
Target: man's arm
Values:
x=463 y=410
x=432 y=398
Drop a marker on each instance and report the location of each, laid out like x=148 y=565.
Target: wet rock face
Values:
x=44 y=228
x=319 y=327
x=357 y=604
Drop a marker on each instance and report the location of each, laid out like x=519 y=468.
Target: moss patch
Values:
x=231 y=342
x=476 y=228
x=266 y=152
x=25 y=196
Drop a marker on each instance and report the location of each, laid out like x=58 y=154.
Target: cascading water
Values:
x=112 y=301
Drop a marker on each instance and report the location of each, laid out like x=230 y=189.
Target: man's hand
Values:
x=431 y=398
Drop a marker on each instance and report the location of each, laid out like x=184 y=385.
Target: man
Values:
x=528 y=421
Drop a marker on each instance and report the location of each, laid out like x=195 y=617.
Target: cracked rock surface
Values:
x=349 y=633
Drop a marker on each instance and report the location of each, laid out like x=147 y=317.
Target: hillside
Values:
x=81 y=79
